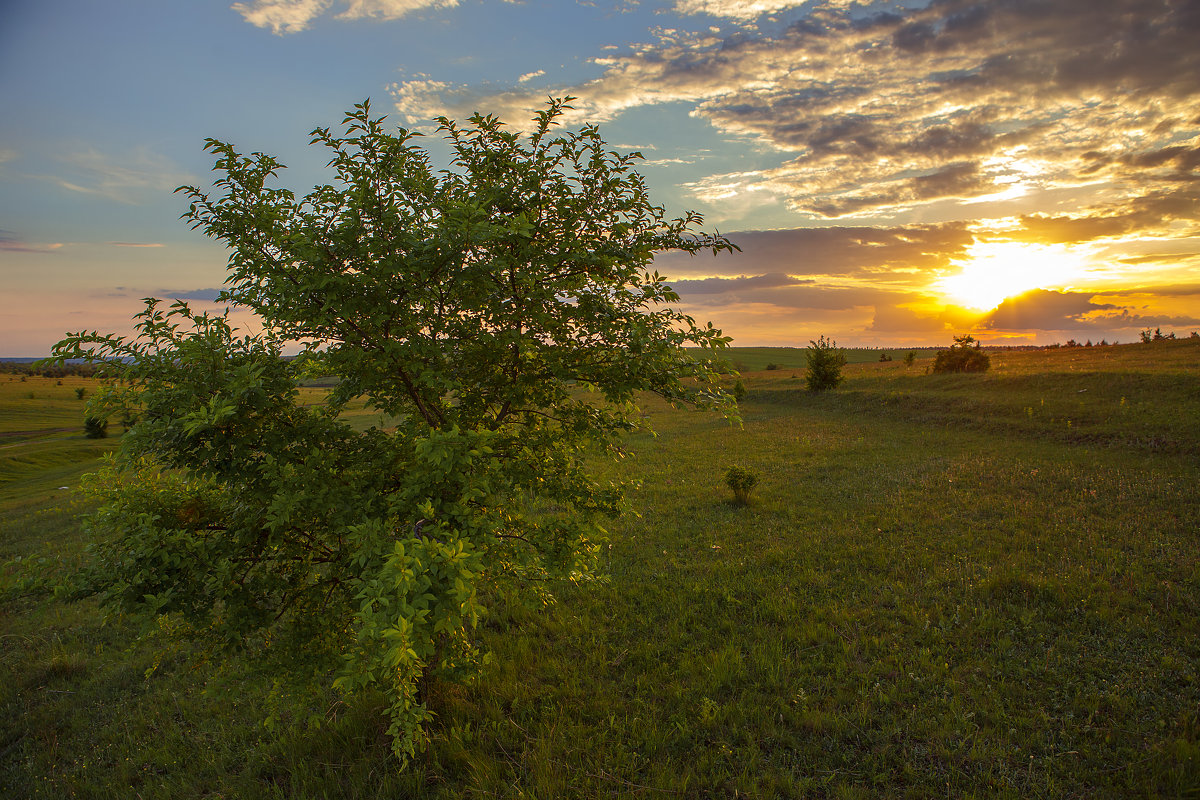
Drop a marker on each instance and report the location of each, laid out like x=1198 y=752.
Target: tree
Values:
x=963 y=356
x=825 y=362
x=502 y=313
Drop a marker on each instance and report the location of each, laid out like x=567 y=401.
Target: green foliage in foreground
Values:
x=948 y=585
x=501 y=315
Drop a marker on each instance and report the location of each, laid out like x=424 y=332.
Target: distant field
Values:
x=946 y=585
x=755 y=359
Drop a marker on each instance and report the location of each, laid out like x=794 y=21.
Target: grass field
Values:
x=752 y=359
x=945 y=586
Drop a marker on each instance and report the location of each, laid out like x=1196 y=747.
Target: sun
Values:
x=994 y=271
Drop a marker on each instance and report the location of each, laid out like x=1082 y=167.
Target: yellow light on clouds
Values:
x=993 y=271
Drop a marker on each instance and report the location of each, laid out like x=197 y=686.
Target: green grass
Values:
x=940 y=588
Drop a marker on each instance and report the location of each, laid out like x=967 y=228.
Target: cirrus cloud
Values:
x=293 y=16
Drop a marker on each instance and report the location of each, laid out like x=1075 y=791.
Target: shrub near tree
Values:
x=825 y=362
x=964 y=355
x=503 y=313
x=95 y=427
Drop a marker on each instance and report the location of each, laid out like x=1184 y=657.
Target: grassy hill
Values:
x=953 y=585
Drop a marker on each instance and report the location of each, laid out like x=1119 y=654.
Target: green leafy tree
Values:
x=504 y=316
x=964 y=355
x=825 y=362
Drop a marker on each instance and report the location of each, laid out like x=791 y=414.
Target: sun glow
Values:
x=994 y=271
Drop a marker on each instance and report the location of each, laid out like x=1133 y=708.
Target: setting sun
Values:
x=993 y=271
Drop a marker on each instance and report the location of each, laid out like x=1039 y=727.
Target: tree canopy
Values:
x=502 y=314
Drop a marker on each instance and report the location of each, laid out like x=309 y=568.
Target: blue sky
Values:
x=1026 y=170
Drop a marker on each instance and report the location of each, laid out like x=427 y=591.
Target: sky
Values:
x=1027 y=171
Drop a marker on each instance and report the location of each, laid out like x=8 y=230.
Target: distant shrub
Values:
x=910 y=358
x=79 y=392
x=739 y=390
x=95 y=428
x=1156 y=335
x=962 y=357
x=742 y=482
x=773 y=365
x=825 y=362
x=885 y=357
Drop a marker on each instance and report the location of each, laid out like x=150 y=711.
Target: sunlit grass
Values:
x=933 y=592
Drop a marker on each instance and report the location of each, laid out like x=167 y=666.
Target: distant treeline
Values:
x=32 y=368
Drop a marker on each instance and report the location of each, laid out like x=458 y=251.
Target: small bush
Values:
x=825 y=362
x=962 y=357
x=95 y=428
x=773 y=365
x=742 y=482
x=910 y=358
x=739 y=390
x=79 y=392
x=884 y=357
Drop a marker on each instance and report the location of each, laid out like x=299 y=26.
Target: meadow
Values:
x=945 y=585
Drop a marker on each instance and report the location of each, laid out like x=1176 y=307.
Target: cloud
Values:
x=11 y=243
x=734 y=9
x=856 y=281
x=899 y=253
x=723 y=285
x=893 y=319
x=200 y=295
x=885 y=114
x=281 y=16
x=1078 y=312
x=135 y=293
x=528 y=76
x=1044 y=310
x=1151 y=258
x=293 y=16
x=136 y=244
x=1152 y=211
x=123 y=178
